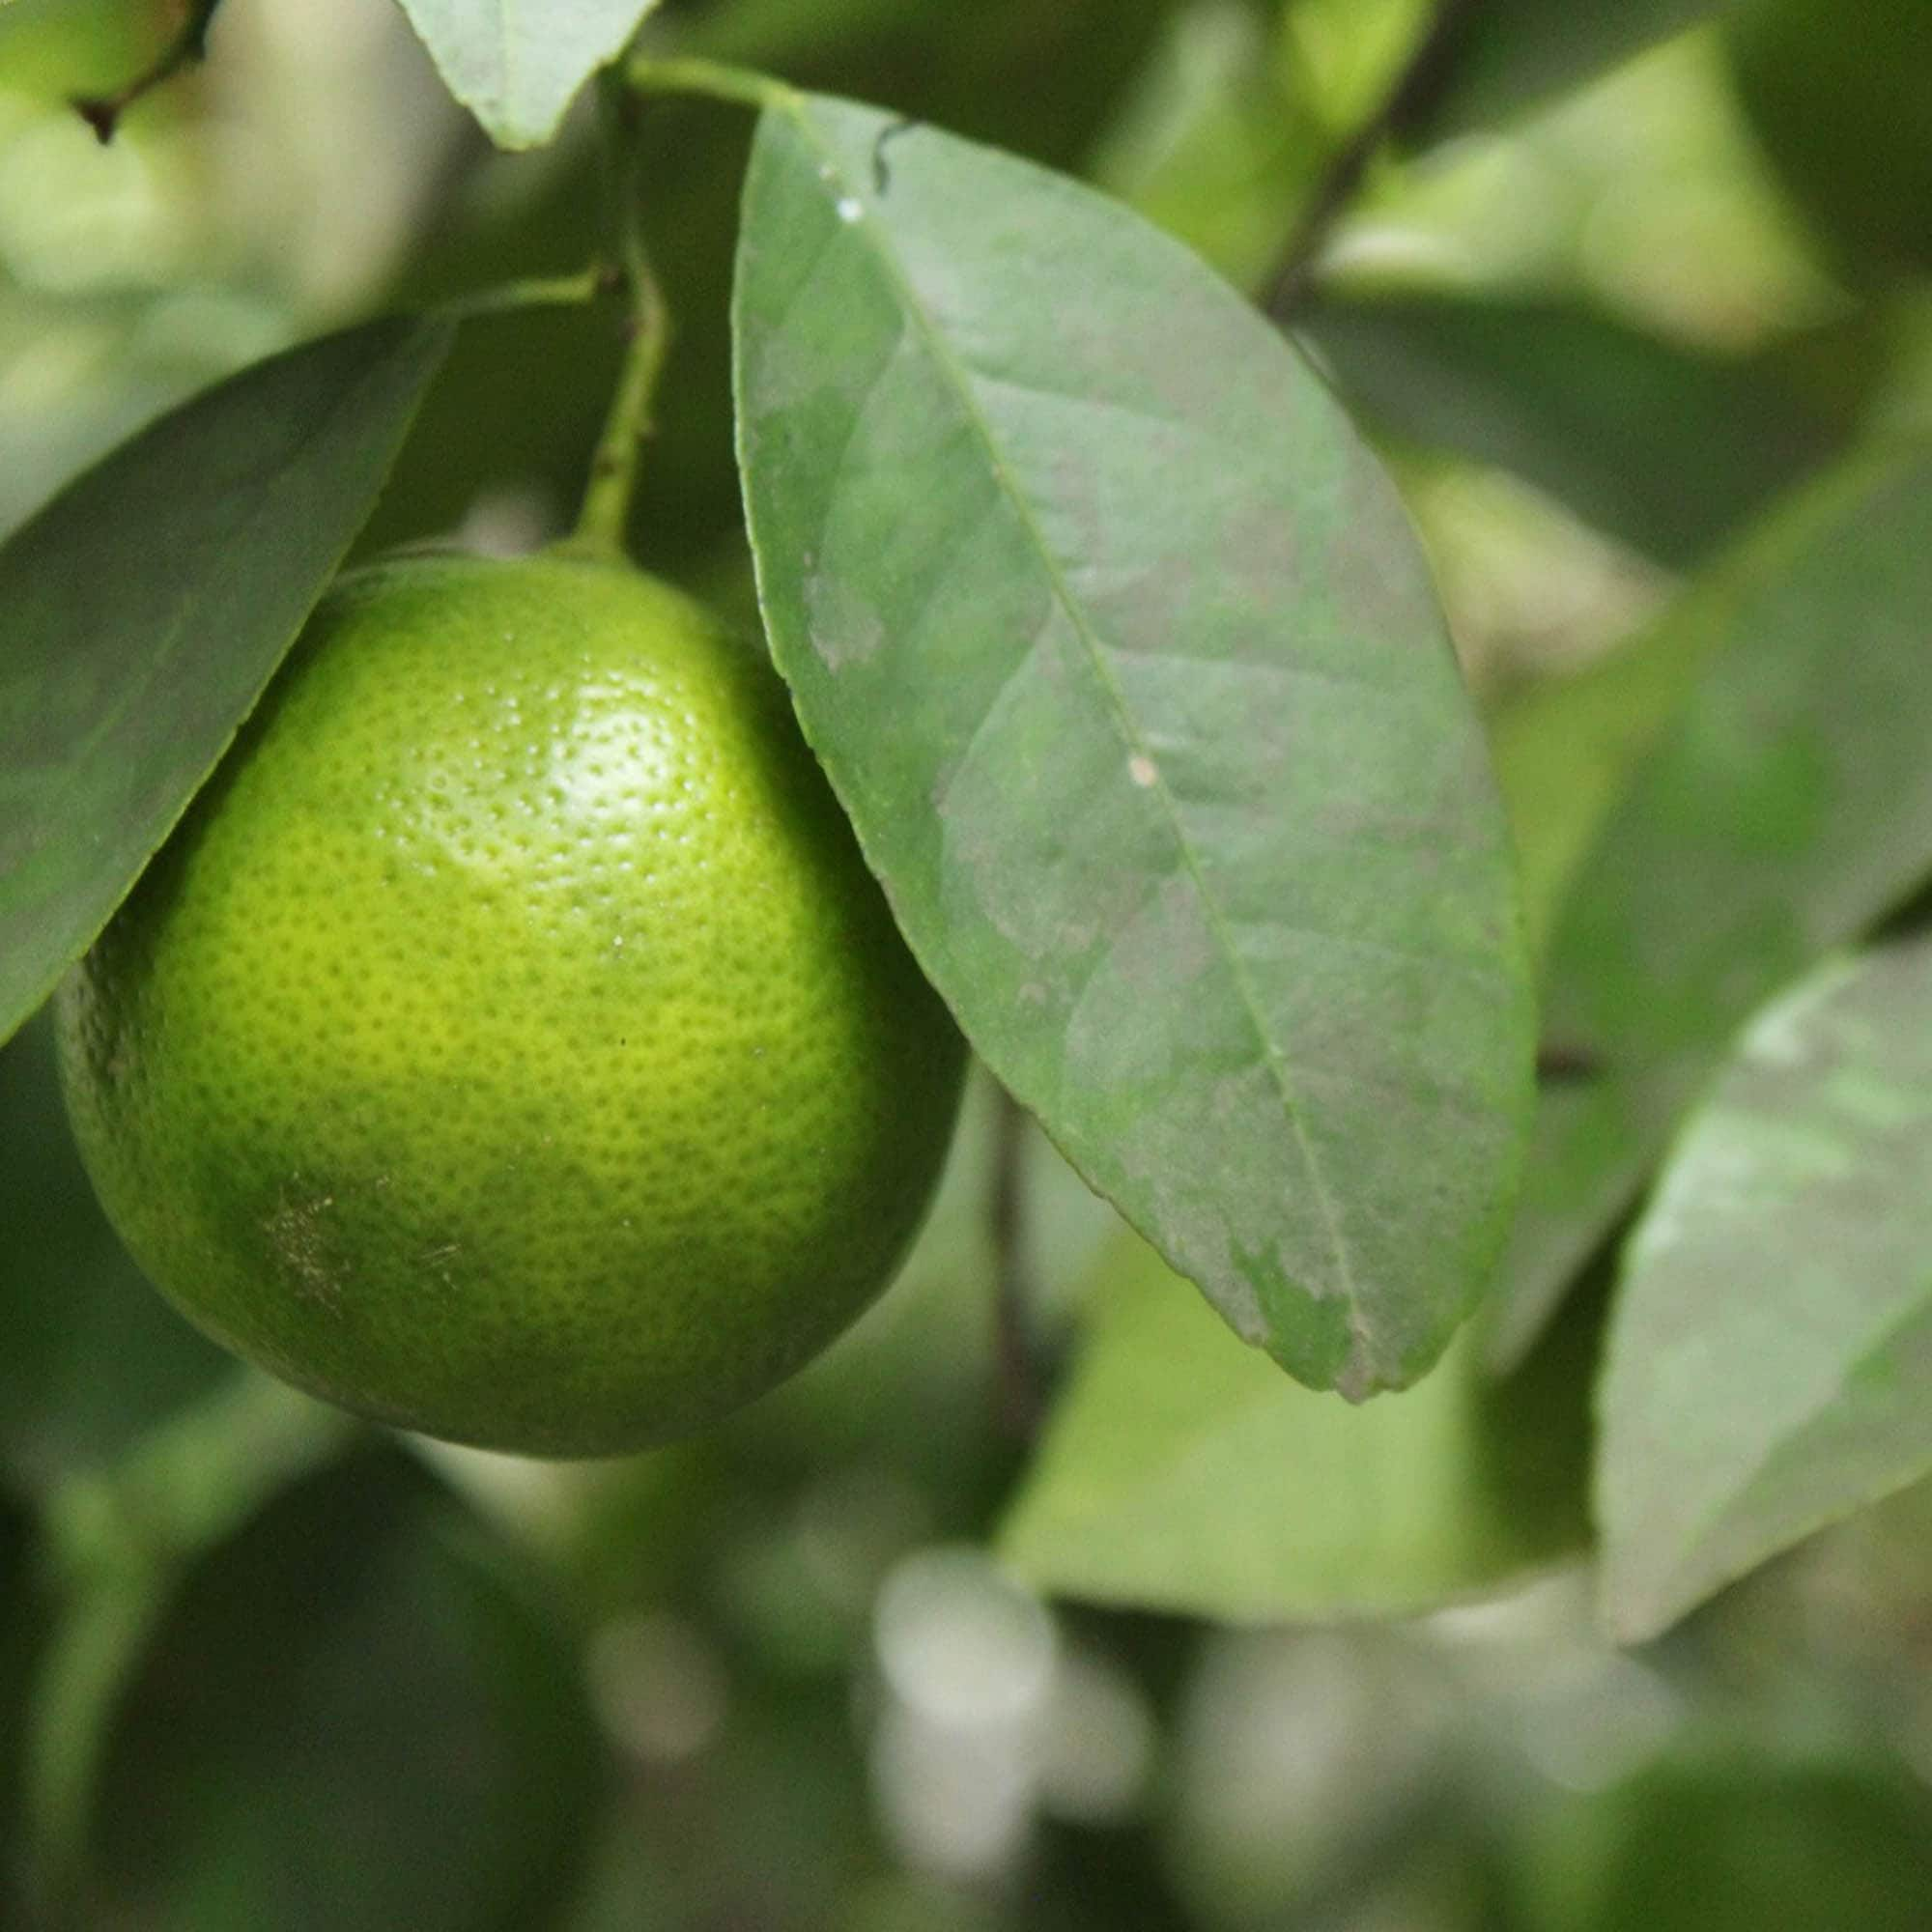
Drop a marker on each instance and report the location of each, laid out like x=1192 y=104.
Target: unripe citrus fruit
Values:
x=510 y=1043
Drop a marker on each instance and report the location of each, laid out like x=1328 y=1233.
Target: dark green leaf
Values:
x=93 y=1356
x=1665 y=447
x=23 y=1613
x=1840 y=99
x=1735 y=1839
x=1121 y=654
x=1181 y=1472
x=517 y=64
x=1771 y=1347
x=347 y=1715
x=142 y=611
x=1787 y=806
x=1507 y=54
x=144 y=368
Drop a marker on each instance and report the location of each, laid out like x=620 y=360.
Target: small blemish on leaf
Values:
x=844 y=628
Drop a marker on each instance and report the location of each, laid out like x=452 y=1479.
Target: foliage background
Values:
x=260 y=1668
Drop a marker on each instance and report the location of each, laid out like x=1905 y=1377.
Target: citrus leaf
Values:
x=1771 y=1346
x=1506 y=55
x=23 y=1621
x=1566 y=748
x=516 y=65
x=1178 y=1471
x=1787 y=806
x=1837 y=99
x=1670 y=448
x=144 y=610
x=355 y=1672
x=93 y=1357
x=1743 y=1823
x=1181 y=1472
x=1125 y=664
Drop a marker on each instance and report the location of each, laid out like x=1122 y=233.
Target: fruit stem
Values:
x=606 y=514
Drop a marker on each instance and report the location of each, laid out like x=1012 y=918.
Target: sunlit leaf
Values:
x=1121 y=654
x=1771 y=1346
x=518 y=64
x=1787 y=806
x=1180 y=1471
x=143 y=611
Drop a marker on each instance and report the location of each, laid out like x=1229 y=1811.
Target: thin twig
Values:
x=1409 y=99
x=1021 y=1398
x=103 y=112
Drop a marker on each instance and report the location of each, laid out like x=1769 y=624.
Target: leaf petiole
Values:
x=535 y=292
x=691 y=75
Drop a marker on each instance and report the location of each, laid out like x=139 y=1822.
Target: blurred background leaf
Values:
x=351 y=1711
x=1785 y=809
x=93 y=1357
x=1565 y=747
x=1665 y=447
x=1840 y=99
x=1772 y=1341
x=1499 y=56
x=1733 y=1840
x=23 y=1611
x=1182 y=1471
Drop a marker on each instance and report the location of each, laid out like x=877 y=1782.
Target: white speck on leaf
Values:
x=1140 y=769
x=850 y=208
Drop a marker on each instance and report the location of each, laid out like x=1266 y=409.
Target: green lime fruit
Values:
x=510 y=1043
x=1840 y=99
